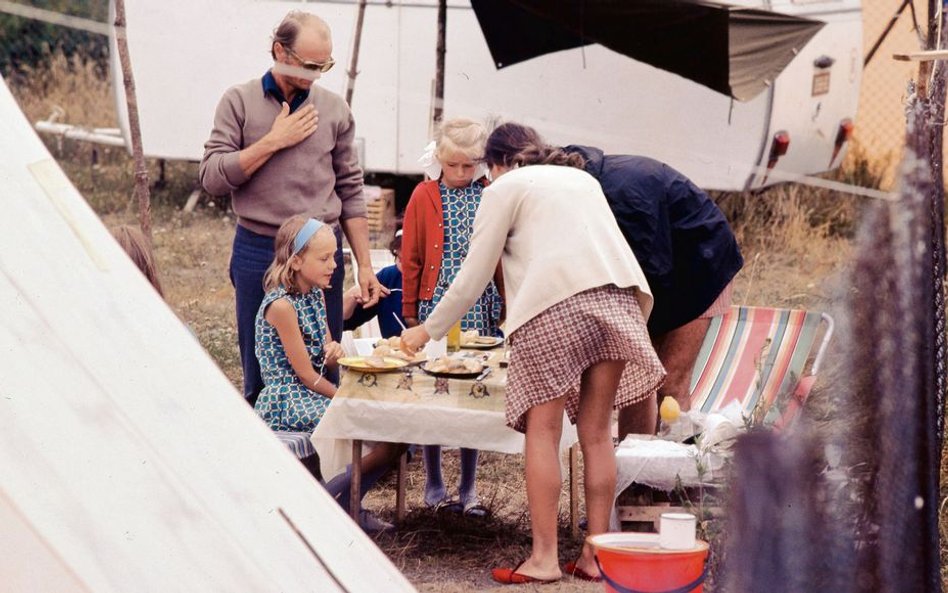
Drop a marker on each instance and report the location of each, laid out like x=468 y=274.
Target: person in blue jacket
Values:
x=389 y=306
x=687 y=250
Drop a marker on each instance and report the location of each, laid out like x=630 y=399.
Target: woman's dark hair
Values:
x=513 y=145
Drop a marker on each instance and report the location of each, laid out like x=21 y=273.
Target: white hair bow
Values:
x=432 y=166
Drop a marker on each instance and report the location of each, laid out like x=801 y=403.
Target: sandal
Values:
x=474 y=509
x=571 y=569
x=510 y=576
x=447 y=505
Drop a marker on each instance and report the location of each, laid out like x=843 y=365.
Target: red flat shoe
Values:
x=571 y=569
x=510 y=576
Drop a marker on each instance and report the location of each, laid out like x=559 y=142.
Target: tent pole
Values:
x=141 y=192
x=354 y=62
x=439 y=64
x=885 y=32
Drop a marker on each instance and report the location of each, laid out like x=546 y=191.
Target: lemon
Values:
x=669 y=410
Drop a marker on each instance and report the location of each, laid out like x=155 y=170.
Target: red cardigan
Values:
x=423 y=245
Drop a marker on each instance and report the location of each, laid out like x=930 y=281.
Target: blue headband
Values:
x=305 y=234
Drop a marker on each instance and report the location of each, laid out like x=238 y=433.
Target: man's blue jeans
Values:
x=251 y=256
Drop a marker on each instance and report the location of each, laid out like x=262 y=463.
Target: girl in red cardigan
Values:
x=436 y=236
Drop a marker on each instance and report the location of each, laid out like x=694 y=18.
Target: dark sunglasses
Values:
x=308 y=65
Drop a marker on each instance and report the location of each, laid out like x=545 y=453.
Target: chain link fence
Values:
x=880 y=125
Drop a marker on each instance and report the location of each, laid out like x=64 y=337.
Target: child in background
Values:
x=138 y=247
x=294 y=347
x=437 y=233
x=389 y=307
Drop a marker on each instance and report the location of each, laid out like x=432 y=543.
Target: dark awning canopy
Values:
x=733 y=50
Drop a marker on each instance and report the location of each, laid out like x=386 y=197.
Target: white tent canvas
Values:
x=128 y=461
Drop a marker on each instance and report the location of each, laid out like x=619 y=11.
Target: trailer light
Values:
x=778 y=148
x=843 y=134
x=845 y=131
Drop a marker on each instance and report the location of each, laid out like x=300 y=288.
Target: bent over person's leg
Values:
x=594 y=426
x=678 y=350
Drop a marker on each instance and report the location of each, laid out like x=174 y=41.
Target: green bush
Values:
x=27 y=43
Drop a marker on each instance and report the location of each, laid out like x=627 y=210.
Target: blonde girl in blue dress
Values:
x=294 y=347
x=293 y=344
x=436 y=236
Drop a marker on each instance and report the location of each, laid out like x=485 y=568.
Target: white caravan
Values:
x=185 y=53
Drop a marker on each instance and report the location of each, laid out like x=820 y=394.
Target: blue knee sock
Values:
x=468 y=489
x=434 y=484
x=340 y=486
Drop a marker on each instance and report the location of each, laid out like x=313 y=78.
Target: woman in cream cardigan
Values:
x=574 y=288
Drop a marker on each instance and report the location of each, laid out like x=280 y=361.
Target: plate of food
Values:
x=471 y=339
x=390 y=348
x=454 y=367
x=373 y=364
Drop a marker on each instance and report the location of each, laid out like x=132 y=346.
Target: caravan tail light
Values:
x=778 y=148
x=843 y=134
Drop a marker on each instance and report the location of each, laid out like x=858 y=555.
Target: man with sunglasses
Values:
x=281 y=146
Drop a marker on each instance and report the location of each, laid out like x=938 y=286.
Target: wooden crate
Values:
x=639 y=507
x=380 y=203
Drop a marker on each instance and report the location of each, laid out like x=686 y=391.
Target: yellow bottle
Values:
x=454 y=337
x=669 y=410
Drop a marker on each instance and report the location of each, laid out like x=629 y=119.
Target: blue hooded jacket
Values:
x=680 y=237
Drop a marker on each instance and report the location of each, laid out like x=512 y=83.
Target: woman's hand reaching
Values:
x=414 y=339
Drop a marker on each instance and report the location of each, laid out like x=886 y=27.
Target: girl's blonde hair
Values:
x=280 y=272
x=138 y=248
x=461 y=134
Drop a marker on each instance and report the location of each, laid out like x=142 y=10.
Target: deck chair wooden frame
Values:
x=766 y=359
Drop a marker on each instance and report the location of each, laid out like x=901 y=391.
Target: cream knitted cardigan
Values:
x=556 y=236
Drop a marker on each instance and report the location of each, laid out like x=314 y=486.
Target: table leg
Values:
x=355 y=485
x=402 y=471
x=574 y=490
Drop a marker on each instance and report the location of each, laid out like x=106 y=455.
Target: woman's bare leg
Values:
x=544 y=429
x=594 y=425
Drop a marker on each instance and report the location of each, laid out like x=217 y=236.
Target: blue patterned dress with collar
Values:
x=285 y=403
x=459 y=206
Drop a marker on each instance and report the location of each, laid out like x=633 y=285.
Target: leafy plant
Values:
x=28 y=43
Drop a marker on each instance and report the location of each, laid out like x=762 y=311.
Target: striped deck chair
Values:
x=301 y=446
x=297 y=442
x=758 y=356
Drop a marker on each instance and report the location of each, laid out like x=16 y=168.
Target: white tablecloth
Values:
x=410 y=406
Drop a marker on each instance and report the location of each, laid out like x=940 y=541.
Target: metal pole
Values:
x=141 y=191
x=439 y=64
x=354 y=62
x=885 y=32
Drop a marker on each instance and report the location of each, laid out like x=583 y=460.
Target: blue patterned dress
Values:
x=285 y=403
x=459 y=206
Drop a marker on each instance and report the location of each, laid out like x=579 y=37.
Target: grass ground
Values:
x=796 y=244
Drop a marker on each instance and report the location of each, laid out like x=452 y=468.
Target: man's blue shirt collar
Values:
x=270 y=88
